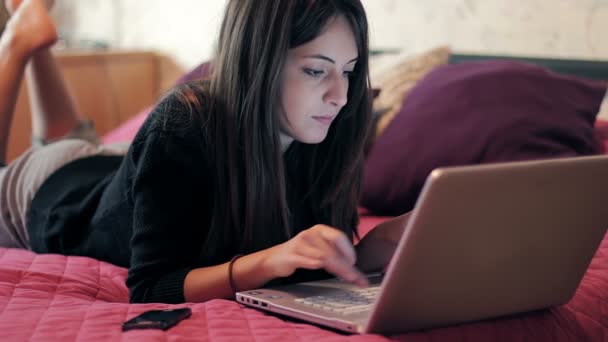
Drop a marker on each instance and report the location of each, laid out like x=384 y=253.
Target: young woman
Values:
x=249 y=178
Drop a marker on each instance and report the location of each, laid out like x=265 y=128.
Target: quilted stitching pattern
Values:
x=52 y=297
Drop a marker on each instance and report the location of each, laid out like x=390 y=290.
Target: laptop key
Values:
x=356 y=309
x=346 y=302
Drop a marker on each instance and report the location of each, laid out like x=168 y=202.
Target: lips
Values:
x=325 y=119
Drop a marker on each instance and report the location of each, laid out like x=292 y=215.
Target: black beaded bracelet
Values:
x=230 y=278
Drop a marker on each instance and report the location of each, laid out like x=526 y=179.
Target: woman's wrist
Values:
x=251 y=271
x=266 y=268
x=222 y=281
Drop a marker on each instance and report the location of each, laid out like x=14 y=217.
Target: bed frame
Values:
x=591 y=69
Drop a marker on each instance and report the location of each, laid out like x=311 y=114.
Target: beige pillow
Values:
x=397 y=78
x=603 y=115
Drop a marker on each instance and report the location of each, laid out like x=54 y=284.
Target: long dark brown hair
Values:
x=255 y=185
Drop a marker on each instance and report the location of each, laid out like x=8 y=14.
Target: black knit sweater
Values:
x=147 y=211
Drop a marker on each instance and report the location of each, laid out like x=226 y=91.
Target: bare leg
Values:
x=54 y=112
x=12 y=66
x=27 y=31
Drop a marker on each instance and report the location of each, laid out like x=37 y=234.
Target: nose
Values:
x=337 y=92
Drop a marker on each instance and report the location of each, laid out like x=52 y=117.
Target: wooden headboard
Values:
x=597 y=70
x=592 y=69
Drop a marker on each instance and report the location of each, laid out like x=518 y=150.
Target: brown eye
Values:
x=313 y=72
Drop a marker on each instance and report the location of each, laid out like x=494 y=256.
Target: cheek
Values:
x=296 y=99
x=297 y=108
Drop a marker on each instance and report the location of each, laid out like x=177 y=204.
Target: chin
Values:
x=312 y=138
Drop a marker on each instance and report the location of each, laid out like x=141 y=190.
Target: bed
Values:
x=54 y=297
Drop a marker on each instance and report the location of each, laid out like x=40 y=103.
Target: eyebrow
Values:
x=325 y=58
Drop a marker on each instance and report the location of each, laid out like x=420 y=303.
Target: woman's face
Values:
x=315 y=82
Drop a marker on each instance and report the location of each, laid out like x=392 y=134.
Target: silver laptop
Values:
x=482 y=242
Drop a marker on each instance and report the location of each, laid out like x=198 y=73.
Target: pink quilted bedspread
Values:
x=53 y=297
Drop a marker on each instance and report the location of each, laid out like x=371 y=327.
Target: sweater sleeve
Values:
x=169 y=208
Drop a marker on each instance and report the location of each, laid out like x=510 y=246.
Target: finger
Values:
x=316 y=247
x=341 y=242
x=324 y=243
x=317 y=242
x=333 y=262
x=301 y=261
x=347 y=272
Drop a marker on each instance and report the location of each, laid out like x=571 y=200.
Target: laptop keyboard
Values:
x=346 y=302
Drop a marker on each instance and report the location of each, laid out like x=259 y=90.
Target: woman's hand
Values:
x=318 y=247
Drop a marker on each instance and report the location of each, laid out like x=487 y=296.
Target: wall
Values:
x=186 y=29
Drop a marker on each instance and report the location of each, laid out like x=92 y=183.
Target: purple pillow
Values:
x=478 y=112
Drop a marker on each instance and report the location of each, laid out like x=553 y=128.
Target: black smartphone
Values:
x=157 y=319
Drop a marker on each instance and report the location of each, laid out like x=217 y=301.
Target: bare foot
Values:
x=11 y=5
x=30 y=27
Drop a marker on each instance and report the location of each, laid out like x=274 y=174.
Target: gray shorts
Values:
x=21 y=179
